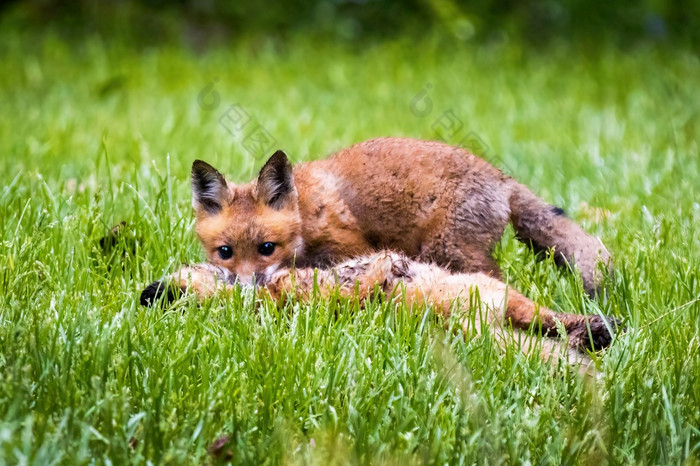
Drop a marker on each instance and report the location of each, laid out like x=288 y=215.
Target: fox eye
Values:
x=266 y=249
x=225 y=252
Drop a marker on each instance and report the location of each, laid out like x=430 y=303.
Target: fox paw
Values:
x=592 y=333
x=160 y=292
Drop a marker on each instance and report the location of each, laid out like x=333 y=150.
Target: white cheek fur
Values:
x=270 y=269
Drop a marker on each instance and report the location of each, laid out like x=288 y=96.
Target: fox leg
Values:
x=544 y=227
x=508 y=306
x=585 y=332
x=421 y=284
x=425 y=283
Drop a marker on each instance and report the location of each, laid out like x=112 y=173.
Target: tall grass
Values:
x=96 y=133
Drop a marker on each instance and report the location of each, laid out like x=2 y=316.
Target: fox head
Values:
x=251 y=229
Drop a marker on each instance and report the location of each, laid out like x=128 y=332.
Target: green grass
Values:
x=97 y=133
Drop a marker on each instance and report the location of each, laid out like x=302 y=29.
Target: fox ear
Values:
x=276 y=182
x=209 y=188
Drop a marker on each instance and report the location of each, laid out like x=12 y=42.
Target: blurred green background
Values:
x=193 y=22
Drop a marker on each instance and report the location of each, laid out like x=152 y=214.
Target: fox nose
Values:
x=246 y=279
x=251 y=280
x=242 y=279
x=245 y=273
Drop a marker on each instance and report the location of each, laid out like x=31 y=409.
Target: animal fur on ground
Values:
x=478 y=298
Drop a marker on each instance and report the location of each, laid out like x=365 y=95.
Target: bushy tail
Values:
x=546 y=227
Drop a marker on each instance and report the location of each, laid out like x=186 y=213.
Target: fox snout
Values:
x=250 y=274
x=250 y=280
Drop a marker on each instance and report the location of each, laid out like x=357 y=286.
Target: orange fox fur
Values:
x=395 y=275
x=428 y=200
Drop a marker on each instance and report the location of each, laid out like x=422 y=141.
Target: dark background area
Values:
x=198 y=23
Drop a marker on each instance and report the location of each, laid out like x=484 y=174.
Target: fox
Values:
x=479 y=300
x=433 y=202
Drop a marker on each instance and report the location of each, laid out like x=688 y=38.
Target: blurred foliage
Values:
x=202 y=22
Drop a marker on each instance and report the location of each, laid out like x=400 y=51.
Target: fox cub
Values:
x=395 y=276
x=431 y=201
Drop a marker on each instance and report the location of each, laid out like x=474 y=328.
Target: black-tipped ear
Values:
x=276 y=182
x=209 y=188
